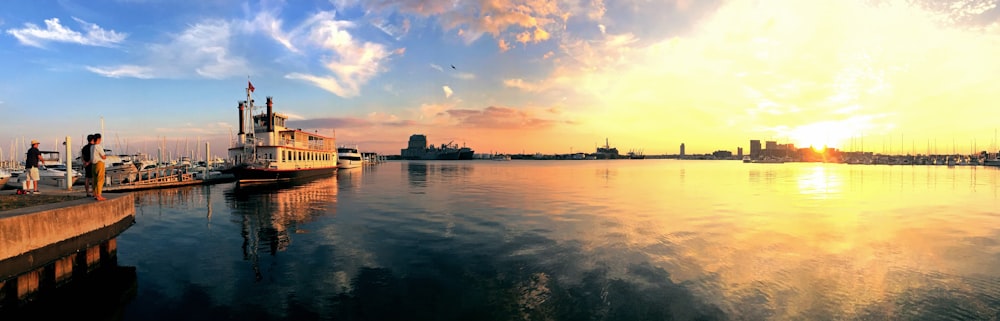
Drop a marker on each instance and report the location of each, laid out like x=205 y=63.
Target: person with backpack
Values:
x=88 y=170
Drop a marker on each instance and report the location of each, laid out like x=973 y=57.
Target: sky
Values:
x=507 y=76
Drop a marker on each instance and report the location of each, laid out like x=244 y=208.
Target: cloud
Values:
x=505 y=20
x=523 y=85
x=348 y=122
x=351 y=62
x=464 y=75
x=447 y=91
x=503 y=45
x=437 y=67
x=123 y=71
x=93 y=35
x=497 y=118
x=333 y=122
x=389 y=120
x=201 y=50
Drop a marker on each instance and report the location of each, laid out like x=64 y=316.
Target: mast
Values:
x=250 y=143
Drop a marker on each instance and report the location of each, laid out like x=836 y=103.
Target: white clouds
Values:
x=523 y=85
x=351 y=62
x=202 y=50
x=93 y=35
x=464 y=75
x=206 y=49
x=447 y=91
x=508 y=21
x=123 y=71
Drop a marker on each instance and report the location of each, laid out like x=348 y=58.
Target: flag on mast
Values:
x=250 y=86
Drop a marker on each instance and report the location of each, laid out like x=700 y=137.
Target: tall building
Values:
x=739 y=152
x=755 y=149
x=682 y=149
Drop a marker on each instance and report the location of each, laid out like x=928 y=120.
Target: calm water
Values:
x=575 y=240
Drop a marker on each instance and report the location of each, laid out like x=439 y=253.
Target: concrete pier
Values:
x=46 y=247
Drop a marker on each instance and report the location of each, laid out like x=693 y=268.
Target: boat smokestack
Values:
x=242 y=108
x=270 y=115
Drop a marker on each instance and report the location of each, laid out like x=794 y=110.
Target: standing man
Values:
x=88 y=170
x=97 y=158
x=31 y=164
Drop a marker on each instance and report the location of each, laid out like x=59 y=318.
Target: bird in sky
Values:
x=453 y=67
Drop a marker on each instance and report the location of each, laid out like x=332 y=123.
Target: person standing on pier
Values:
x=97 y=156
x=87 y=169
x=31 y=165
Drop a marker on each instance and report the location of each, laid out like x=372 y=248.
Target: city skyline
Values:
x=509 y=76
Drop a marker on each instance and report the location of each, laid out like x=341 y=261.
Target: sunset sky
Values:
x=529 y=75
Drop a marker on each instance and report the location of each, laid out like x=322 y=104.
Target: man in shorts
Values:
x=31 y=168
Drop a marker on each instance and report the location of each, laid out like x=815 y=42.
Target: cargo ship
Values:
x=418 y=149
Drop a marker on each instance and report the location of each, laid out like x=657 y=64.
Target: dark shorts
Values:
x=88 y=171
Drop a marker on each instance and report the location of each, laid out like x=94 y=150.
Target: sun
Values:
x=820 y=135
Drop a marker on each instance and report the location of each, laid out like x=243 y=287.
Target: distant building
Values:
x=723 y=154
x=682 y=149
x=739 y=152
x=755 y=149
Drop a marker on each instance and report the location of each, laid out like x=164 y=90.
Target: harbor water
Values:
x=574 y=240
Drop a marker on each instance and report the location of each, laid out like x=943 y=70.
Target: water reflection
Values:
x=350 y=179
x=421 y=173
x=564 y=241
x=819 y=183
x=269 y=214
x=416 y=174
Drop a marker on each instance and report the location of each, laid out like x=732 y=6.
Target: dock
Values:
x=162 y=177
x=44 y=248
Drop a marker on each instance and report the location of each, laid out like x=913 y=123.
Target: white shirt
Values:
x=97 y=153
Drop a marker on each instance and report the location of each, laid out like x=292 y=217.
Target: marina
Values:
x=442 y=160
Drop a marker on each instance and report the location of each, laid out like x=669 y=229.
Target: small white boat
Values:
x=770 y=160
x=348 y=157
x=501 y=157
x=52 y=175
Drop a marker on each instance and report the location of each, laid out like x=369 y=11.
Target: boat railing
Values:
x=317 y=145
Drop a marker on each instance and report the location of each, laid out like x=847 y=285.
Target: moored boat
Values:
x=348 y=157
x=267 y=151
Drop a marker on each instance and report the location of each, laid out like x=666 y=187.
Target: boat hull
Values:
x=348 y=163
x=433 y=155
x=247 y=175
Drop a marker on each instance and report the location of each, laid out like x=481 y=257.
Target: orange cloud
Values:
x=498 y=118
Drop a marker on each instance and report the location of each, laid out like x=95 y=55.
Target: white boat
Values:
x=348 y=157
x=770 y=160
x=746 y=159
x=53 y=175
x=267 y=151
x=501 y=157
